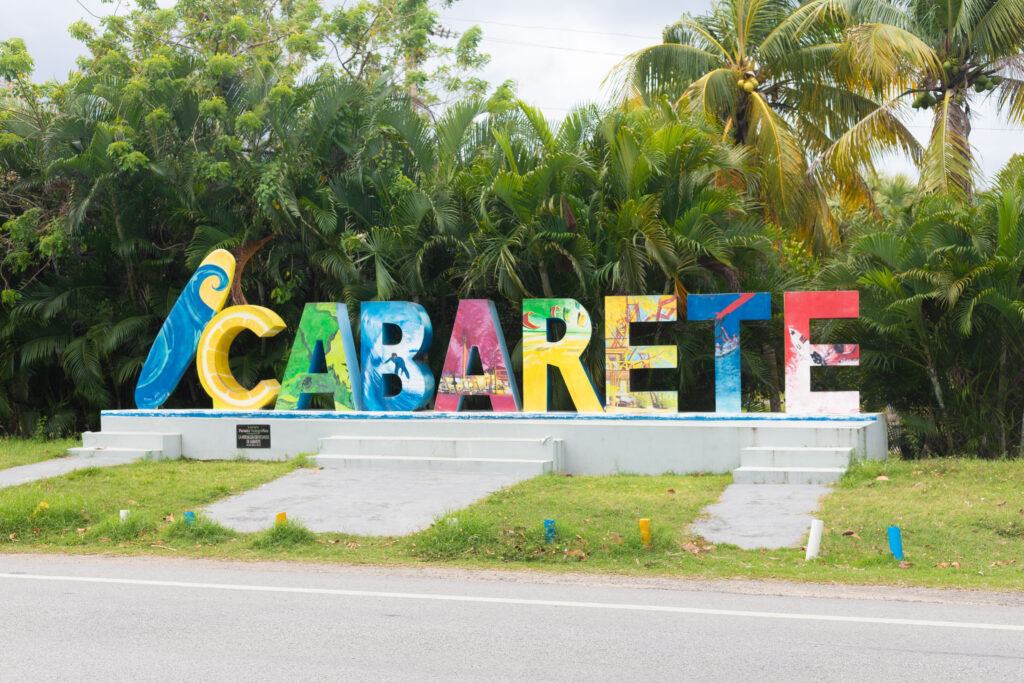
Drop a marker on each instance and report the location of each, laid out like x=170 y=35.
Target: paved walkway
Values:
x=761 y=515
x=356 y=501
x=13 y=476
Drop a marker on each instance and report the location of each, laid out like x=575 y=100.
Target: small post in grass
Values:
x=896 y=543
x=124 y=515
x=190 y=518
x=814 y=539
x=282 y=517
x=645 y=531
x=549 y=530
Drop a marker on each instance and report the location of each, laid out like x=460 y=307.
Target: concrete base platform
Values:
x=761 y=516
x=353 y=501
x=586 y=443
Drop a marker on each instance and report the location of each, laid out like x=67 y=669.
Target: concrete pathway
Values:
x=761 y=515
x=357 y=501
x=23 y=474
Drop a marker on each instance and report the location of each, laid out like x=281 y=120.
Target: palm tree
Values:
x=941 y=56
x=771 y=73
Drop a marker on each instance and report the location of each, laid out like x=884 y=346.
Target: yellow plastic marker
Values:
x=645 y=530
x=282 y=517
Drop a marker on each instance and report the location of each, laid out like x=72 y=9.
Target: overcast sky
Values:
x=558 y=51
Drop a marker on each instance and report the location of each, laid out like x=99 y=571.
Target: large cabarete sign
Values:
x=390 y=373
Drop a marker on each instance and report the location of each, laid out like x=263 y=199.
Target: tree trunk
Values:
x=242 y=255
x=545 y=283
x=732 y=278
x=960 y=125
x=772 y=361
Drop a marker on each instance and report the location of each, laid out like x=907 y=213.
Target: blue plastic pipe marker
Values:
x=549 y=530
x=896 y=543
x=190 y=518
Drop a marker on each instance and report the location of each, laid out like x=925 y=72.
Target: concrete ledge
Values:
x=590 y=443
x=526 y=467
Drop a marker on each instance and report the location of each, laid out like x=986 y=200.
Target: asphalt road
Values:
x=110 y=619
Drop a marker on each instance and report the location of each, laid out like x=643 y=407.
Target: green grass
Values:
x=962 y=522
x=14 y=452
x=81 y=510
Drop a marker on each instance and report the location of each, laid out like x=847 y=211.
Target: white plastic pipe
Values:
x=814 y=539
x=124 y=515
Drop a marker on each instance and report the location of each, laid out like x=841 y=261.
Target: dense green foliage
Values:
x=350 y=155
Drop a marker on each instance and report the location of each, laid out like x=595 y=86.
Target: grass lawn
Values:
x=962 y=521
x=14 y=452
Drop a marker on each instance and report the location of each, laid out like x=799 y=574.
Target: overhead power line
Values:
x=554 y=47
x=560 y=29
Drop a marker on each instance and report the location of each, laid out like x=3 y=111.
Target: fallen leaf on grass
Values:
x=169 y=518
x=351 y=545
x=942 y=565
x=132 y=502
x=906 y=565
x=916 y=472
x=165 y=547
x=1002 y=563
x=697 y=547
x=1000 y=503
x=83 y=530
x=578 y=554
x=671 y=491
x=882 y=478
x=12 y=537
x=104 y=539
x=851 y=532
x=954 y=565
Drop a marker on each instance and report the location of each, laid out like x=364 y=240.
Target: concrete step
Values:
x=168 y=444
x=126 y=454
x=530 y=467
x=795 y=456
x=787 y=475
x=444 y=447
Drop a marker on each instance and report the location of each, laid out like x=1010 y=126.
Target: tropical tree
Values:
x=942 y=316
x=771 y=72
x=940 y=57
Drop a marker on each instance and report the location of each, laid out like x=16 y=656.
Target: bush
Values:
x=203 y=530
x=131 y=529
x=32 y=512
x=284 y=535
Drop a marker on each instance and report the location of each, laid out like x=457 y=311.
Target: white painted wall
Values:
x=591 y=444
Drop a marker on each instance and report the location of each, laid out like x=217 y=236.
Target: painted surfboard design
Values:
x=175 y=346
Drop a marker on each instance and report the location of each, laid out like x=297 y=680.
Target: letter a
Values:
x=477 y=333
x=320 y=358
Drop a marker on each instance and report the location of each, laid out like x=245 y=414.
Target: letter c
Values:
x=212 y=357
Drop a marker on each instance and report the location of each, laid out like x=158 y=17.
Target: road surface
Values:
x=139 y=619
